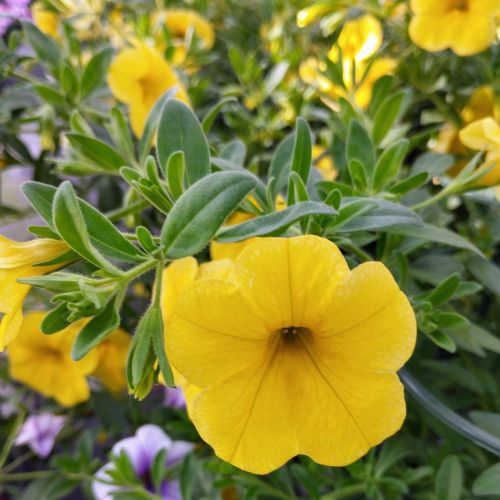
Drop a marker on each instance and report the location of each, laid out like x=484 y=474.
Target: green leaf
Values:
x=447 y=416
x=386 y=115
x=201 y=210
x=274 y=223
x=97 y=151
x=433 y=163
x=98 y=328
x=145 y=239
x=176 y=174
x=486 y=272
x=301 y=154
x=151 y=125
x=159 y=348
x=488 y=421
x=445 y=290
x=235 y=152
x=94 y=74
x=103 y=234
x=180 y=130
x=299 y=188
x=382 y=216
x=45 y=47
x=55 y=320
x=210 y=117
x=449 y=320
x=70 y=224
x=409 y=184
x=280 y=165
x=360 y=147
x=435 y=234
x=488 y=482
x=120 y=132
x=50 y=94
x=389 y=164
x=449 y=479
x=358 y=175
x=69 y=81
x=442 y=340
x=274 y=78
x=380 y=91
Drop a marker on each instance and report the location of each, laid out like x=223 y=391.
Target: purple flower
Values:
x=39 y=432
x=141 y=450
x=11 y=11
x=174 y=398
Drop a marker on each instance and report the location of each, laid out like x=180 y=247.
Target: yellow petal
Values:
x=15 y=254
x=489 y=7
x=481 y=104
x=180 y=21
x=360 y=38
x=481 y=134
x=282 y=282
x=492 y=178
x=381 y=67
x=430 y=31
x=471 y=33
x=211 y=320
x=371 y=323
x=429 y=6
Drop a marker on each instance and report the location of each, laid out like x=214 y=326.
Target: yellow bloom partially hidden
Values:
x=112 y=361
x=180 y=23
x=465 y=26
x=45 y=20
x=324 y=162
x=139 y=76
x=484 y=135
x=17 y=260
x=43 y=362
x=294 y=354
x=359 y=40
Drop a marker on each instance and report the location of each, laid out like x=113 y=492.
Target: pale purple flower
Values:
x=39 y=432
x=11 y=11
x=141 y=450
x=174 y=397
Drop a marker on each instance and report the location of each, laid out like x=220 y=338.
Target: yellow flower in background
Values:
x=180 y=24
x=43 y=362
x=295 y=354
x=232 y=250
x=484 y=135
x=465 y=26
x=112 y=355
x=323 y=161
x=138 y=76
x=18 y=260
x=359 y=40
x=309 y=15
x=45 y=20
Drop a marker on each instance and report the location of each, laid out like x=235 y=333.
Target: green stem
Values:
x=27 y=476
x=10 y=438
x=133 y=208
x=17 y=462
x=434 y=199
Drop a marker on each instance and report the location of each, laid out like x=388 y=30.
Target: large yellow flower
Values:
x=43 y=362
x=359 y=40
x=18 y=260
x=138 y=76
x=112 y=354
x=484 y=135
x=180 y=23
x=293 y=354
x=465 y=26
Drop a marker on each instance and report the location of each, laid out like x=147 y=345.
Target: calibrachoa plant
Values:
x=257 y=252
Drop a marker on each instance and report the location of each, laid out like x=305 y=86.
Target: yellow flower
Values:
x=294 y=354
x=45 y=20
x=359 y=40
x=177 y=278
x=232 y=250
x=485 y=135
x=465 y=26
x=138 y=76
x=43 y=362
x=112 y=355
x=18 y=260
x=310 y=14
x=180 y=23
x=324 y=162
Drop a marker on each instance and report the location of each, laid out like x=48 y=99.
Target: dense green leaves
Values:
x=201 y=210
x=488 y=483
x=95 y=71
x=180 y=130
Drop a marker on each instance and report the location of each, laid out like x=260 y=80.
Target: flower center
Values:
x=291 y=334
x=458 y=5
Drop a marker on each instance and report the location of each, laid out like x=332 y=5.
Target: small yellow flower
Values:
x=359 y=40
x=310 y=14
x=324 y=162
x=45 y=20
x=465 y=26
x=293 y=354
x=18 y=260
x=484 y=135
x=138 y=76
x=112 y=355
x=180 y=23
x=43 y=362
